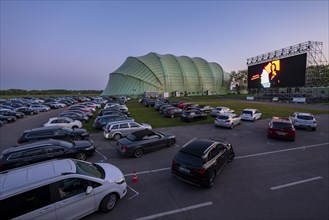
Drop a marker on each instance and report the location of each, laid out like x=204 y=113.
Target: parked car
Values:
x=89 y=114
x=117 y=130
x=228 y=120
x=140 y=142
x=201 y=160
x=190 y=106
x=250 y=114
x=205 y=108
x=1 y=123
x=163 y=107
x=173 y=112
x=101 y=121
x=40 y=108
x=64 y=122
x=75 y=116
x=54 y=132
x=193 y=115
x=7 y=119
x=27 y=110
x=304 y=120
x=52 y=189
x=220 y=110
x=281 y=128
x=34 y=152
x=7 y=112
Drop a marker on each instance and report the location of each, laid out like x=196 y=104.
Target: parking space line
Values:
x=295 y=183
x=174 y=211
x=284 y=150
x=136 y=193
x=104 y=158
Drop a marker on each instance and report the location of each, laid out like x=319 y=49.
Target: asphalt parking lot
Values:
x=268 y=179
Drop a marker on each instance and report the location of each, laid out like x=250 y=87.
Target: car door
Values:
x=73 y=202
x=236 y=119
x=153 y=142
x=223 y=154
x=124 y=129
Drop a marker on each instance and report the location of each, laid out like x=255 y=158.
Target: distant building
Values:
x=167 y=74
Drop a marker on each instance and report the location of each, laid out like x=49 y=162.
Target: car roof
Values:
x=142 y=133
x=281 y=119
x=249 y=109
x=198 y=147
x=43 y=128
x=27 y=175
x=31 y=145
x=303 y=113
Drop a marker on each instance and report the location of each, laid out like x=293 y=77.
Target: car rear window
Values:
x=247 y=112
x=192 y=160
x=281 y=125
x=224 y=117
x=305 y=117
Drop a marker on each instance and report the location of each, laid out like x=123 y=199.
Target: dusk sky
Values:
x=75 y=45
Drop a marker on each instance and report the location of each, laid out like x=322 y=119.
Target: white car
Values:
x=64 y=122
x=228 y=120
x=250 y=114
x=304 y=120
x=60 y=189
x=220 y=110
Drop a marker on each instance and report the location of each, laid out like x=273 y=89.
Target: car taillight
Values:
x=173 y=163
x=228 y=121
x=200 y=171
x=124 y=148
x=97 y=122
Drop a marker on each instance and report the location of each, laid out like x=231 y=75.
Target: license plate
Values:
x=281 y=133
x=184 y=169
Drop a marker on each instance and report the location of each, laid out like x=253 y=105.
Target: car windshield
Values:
x=89 y=169
x=281 y=125
x=132 y=137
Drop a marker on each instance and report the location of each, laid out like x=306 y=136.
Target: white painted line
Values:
x=279 y=151
x=174 y=211
x=189 y=142
x=149 y=171
x=240 y=157
x=136 y=193
x=295 y=183
x=104 y=158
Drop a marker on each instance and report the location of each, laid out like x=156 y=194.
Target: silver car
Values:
x=220 y=110
x=304 y=120
x=228 y=120
x=117 y=130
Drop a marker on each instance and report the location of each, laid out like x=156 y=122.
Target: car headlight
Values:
x=120 y=181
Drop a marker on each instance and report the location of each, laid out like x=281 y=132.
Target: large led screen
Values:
x=286 y=72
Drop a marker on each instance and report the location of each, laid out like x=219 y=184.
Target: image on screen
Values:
x=286 y=72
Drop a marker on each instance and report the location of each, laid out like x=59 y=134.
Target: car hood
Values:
x=112 y=173
x=79 y=131
x=146 y=126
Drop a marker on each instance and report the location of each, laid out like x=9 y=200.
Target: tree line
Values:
x=20 y=92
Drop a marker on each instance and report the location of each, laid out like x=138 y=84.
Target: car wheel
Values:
x=81 y=156
x=77 y=138
x=211 y=179
x=138 y=152
x=313 y=129
x=108 y=202
x=231 y=126
x=116 y=137
x=171 y=142
x=74 y=126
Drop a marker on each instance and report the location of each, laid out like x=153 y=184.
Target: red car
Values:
x=281 y=128
x=181 y=105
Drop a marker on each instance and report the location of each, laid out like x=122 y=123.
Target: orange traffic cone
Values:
x=135 y=179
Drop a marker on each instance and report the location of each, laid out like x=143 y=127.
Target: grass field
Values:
x=150 y=116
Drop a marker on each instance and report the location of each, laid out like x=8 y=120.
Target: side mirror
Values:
x=89 y=190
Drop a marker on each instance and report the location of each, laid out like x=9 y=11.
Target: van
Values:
x=250 y=114
x=60 y=189
x=117 y=130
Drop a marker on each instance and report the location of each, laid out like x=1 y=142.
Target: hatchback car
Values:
x=173 y=112
x=54 y=132
x=201 y=160
x=219 y=110
x=228 y=120
x=7 y=112
x=304 y=120
x=44 y=150
x=250 y=114
x=281 y=128
x=60 y=189
x=193 y=115
x=27 y=110
x=140 y=142
x=117 y=130
x=7 y=119
x=64 y=122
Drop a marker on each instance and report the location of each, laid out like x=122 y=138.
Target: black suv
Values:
x=54 y=132
x=201 y=160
